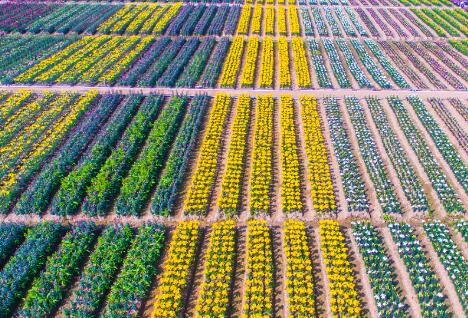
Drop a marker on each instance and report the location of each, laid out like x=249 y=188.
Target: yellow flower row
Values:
x=26 y=112
x=294 y=26
x=135 y=22
x=261 y=178
x=243 y=26
x=283 y=55
x=270 y=20
x=282 y=20
x=176 y=271
x=13 y=102
x=322 y=194
x=300 y=63
x=115 y=18
x=160 y=26
x=248 y=73
x=259 y=271
x=117 y=69
x=232 y=63
x=47 y=64
x=291 y=199
x=257 y=19
x=66 y=63
x=149 y=24
x=50 y=138
x=344 y=298
x=213 y=300
x=88 y=57
x=231 y=184
x=267 y=63
x=202 y=182
x=299 y=271
x=31 y=133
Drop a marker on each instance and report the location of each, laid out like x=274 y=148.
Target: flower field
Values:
x=231 y=158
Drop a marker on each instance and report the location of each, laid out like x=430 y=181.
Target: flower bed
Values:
x=105 y=185
x=353 y=65
x=300 y=63
x=214 y=297
x=432 y=301
x=332 y=23
x=443 y=144
x=344 y=297
x=319 y=22
x=137 y=185
x=50 y=287
x=214 y=65
x=336 y=64
x=375 y=167
x=72 y=188
x=444 y=190
x=267 y=64
x=319 y=64
x=300 y=287
x=353 y=185
x=232 y=63
x=410 y=182
x=26 y=263
x=283 y=67
x=382 y=277
x=262 y=156
x=37 y=196
x=136 y=275
x=258 y=293
x=229 y=199
x=99 y=273
x=11 y=236
x=176 y=166
x=172 y=285
x=376 y=73
x=251 y=53
x=203 y=177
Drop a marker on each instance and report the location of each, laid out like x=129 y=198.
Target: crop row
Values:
x=85 y=269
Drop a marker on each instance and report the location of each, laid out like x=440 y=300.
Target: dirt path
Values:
x=403 y=276
x=324 y=276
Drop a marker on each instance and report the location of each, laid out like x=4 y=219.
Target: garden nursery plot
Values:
x=233 y=158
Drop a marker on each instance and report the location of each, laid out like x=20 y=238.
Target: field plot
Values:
x=231 y=158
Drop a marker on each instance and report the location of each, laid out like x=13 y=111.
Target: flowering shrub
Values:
x=229 y=198
x=137 y=185
x=425 y=283
x=200 y=187
x=344 y=297
x=262 y=152
x=294 y=25
x=214 y=297
x=307 y=22
x=299 y=277
x=171 y=178
x=98 y=275
x=73 y=187
x=372 y=159
x=353 y=185
x=258 y=291
x=136 y=275
x=410 y=182
x=382 y=277
x=174 y=281
x=269 y=20
x=244 y=19
x=319 y=22
x=444 y=190
x=256 y=24
x=322 y=194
